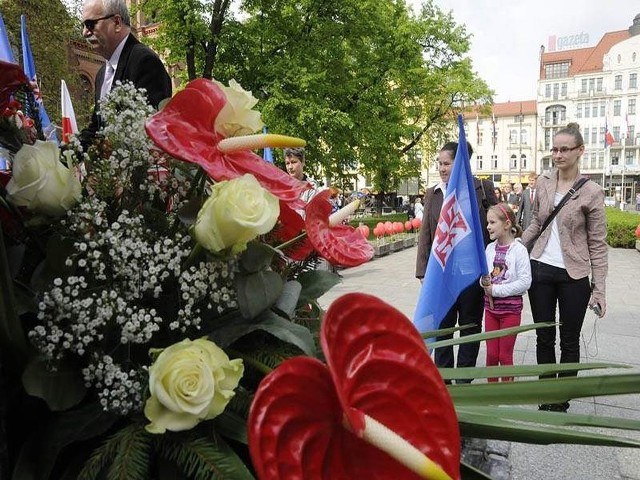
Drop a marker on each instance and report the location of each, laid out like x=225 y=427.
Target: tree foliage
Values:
x=50 y=28
x=365 y=82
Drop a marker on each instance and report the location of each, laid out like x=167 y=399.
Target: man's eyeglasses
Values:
x=90 y=23
x=564 y=150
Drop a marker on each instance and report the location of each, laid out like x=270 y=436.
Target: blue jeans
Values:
x=468 y=309
x=553 y=286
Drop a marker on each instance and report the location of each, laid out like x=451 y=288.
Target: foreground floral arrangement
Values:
x=149 y=289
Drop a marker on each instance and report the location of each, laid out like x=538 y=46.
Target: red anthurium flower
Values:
x=184 y=128
x=290 y=225
x=339 y=244
x=11 y=78
x=311 y=421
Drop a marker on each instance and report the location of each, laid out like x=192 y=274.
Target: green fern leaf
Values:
x=132 y=459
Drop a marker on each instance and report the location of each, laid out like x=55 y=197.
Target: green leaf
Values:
x=231 y=425
x=491 y=427
x=479 y=337
x=189 y=211
x=12 y=337
x=288 y=300
x=521 y=370
x=61 y=389
x=39 y=453
x=543 y=391
x=315 y=284
x=271 y=323
x=257 y=292
x=256 y=257
x=58 y=250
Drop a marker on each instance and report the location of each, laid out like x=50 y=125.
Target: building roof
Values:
x=584 y=60
x=505 y=109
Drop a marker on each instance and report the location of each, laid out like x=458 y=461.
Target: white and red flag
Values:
x=69 y=125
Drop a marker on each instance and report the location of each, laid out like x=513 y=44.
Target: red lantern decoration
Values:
x=417 y=223
x=398 y=227
x=388 y=228
x=408 y=226
x=638 y=232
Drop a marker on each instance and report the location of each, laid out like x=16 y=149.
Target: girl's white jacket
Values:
x=518 y=276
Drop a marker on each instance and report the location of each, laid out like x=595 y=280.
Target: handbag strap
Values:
x=576 y=186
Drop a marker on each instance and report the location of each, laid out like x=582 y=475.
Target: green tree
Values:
x=50 y=28
x=365 y=82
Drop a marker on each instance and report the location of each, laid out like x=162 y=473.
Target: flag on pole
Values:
x=69 y=125
x=457 y=257
x=608 y=137
x=494 y=134
x=29 y=68
x=267 y=155
x=6 y=53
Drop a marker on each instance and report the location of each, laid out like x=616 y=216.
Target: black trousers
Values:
x=553 y=286
x=468 y=309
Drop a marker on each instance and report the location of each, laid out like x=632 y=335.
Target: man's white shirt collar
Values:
x=115 y=57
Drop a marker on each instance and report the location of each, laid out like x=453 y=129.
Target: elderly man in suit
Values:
x=107 y=28
x=525 y=211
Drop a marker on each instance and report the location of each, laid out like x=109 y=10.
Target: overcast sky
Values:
x=507 y=34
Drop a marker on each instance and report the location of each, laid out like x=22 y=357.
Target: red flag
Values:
x=69 y=125
x=608 y=137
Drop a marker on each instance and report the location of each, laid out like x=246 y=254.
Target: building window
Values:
x=633 y=80
x=547 y=90
x=563 y=89
x=583 y=86
x=556 y=114
x=603 y=105
x=514 y=162
x=616 y=133
x=600 y=159
x=587 y=110
x=594 y=109
x=619 y=58
x=479 y=161
x=618 y=82
x=592 y=84
x=556 y=89
x=585 y=134
x=594 y=135
x=556 y=70
x=513 y=136
x=579 y=111
x=480 y=138
x=601 y=136
x=631 y=107
x=494 y=162
x=614 y=160
x=594 y=159
x=523 y=161
x=633 y=57
x=524 y=138
x=631 y=131
x=628 y=157
x=616 y=108
x=599 y=84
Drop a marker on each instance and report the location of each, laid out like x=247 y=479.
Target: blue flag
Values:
x=6 y=53
x=457 y=257
x=267 y=154
x=29 y=67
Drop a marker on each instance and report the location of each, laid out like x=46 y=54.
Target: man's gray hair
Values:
x=297 y=152
x=117 y=7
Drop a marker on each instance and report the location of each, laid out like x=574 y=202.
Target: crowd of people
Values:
x=548 y=240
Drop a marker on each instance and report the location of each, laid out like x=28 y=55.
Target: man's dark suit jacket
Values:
x=139 y=65
x=432 y=205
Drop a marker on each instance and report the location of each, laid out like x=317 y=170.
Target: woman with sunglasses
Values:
x=571 y=248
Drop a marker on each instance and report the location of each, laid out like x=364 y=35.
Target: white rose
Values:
x=236 y=117
x=41 y=182
x=237 y=211
x=190 y=381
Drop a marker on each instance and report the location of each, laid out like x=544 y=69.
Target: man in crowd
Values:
x=107 y=28
x=526 y=203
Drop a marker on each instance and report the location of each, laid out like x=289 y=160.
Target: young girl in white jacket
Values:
x=510 y=278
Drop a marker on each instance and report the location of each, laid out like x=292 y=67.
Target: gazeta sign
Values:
x=568 y=41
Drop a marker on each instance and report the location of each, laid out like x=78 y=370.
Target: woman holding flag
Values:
x=468 y=306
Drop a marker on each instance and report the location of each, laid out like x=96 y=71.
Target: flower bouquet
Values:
x=149 y=284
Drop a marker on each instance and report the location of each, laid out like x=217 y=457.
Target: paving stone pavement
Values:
x=614 y=338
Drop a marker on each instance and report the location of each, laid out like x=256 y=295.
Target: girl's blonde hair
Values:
x=504 y=212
